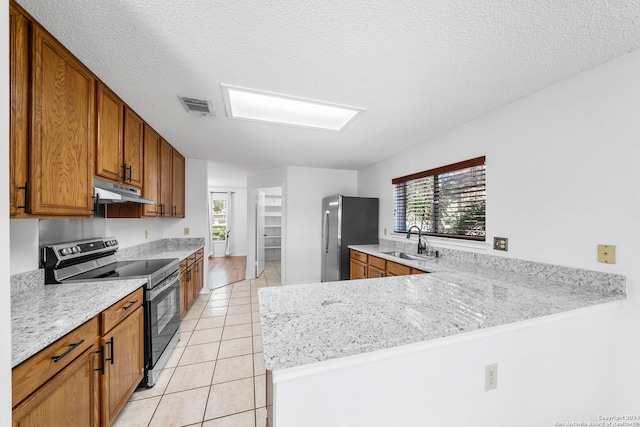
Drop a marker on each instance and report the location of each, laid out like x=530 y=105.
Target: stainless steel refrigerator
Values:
x=345 y=221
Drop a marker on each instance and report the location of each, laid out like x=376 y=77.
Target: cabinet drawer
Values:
x=377 y=262
x=418 y=271
x=191 y=259
x=118 y=311
x=35 y=371
x=183 y=265
x=362 y=257
x=199 y=254
x=395 y=269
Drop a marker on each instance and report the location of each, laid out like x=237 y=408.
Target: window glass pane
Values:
x=218 y=216
x=450 y=203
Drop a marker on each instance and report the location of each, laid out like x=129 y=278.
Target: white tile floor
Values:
x=216 y=375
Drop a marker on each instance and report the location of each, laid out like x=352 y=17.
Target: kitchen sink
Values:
x=404 y=255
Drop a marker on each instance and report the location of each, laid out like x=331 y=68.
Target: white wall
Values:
x=306 y=187
x=5 y=294
x=561 y=178
x=24 y=253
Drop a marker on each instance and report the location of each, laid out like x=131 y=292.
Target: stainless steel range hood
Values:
x=109 y=192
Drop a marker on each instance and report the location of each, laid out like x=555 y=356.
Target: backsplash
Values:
x=161 y=244
x=25 y=282
x=606 y=281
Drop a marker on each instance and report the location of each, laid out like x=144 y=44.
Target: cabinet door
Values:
x=124 y=364
x=19 y=118
x=184 y=285
x=358 y=270
x=373 y=272
x=395 y=269
x=109 y=134
x=71 y=398
x=199 y=281
x=166 y=157
x=151 y=181
x=177 y=185
x=133 y=145
x=63 y=111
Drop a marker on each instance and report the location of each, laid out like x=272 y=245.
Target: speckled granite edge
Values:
x=143 y=249
x=615 y=283
x=25 y=282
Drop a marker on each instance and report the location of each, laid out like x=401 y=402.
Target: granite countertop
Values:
x=40 y=314
x=40 y=317
x=318 y=322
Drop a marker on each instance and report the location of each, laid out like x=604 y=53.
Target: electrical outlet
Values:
x=146 y=234
x=385 y=231
x=490 y=377
x=186 y=231
x=501 y=244
x=607 y=254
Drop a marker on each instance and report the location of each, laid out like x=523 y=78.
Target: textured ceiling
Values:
x=418 y=67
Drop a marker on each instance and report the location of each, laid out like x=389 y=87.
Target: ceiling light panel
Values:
x=250 y=104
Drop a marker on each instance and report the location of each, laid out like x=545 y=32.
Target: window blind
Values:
x=448 y=201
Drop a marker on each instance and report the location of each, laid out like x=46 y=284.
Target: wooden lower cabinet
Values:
x=374 y=272
x=395 y=269
x=199 y=273
x=191 y=279
x=368 y=266
x=124 y=364
x=71 y=398
x=87 y=376
x=357 y=269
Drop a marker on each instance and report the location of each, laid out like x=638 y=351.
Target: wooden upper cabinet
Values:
x=19 y=117
x=177 y=185
x=119 y=141
x=151 y=189
x=63 y=138
x=166 y=158
x=133 y=147
x=110 y=136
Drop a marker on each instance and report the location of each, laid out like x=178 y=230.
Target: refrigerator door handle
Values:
x=325 y=231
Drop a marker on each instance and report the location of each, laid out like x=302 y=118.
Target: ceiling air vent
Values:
x=197 y=107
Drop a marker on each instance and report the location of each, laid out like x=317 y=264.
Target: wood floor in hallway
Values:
x=226 y=270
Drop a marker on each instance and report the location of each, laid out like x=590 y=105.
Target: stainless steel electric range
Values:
x=94 y=259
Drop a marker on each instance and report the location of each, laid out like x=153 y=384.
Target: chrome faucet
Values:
x=421 y=245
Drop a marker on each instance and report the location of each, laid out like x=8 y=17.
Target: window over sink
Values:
x=448 y=201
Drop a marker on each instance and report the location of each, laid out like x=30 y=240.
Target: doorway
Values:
x=268 y=241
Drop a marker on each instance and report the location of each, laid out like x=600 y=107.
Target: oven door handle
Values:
x=167 y=284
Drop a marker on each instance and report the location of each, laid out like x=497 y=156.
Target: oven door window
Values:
x=164 y=320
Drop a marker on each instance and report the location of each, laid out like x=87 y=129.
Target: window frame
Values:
x=226 y=214
x=435 y=173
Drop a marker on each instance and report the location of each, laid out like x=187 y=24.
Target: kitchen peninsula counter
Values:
x=313 y=323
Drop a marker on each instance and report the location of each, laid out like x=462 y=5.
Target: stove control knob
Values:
x=65 y=251
x=114 y=242
x=75 y=249
x=107 y=243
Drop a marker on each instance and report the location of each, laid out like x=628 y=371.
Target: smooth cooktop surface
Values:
x=125 y=269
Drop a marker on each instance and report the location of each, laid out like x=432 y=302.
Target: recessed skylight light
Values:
x=249 y=104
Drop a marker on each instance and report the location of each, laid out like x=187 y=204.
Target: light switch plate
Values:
x=186 y=231
x=501 y=244
x=607 y=254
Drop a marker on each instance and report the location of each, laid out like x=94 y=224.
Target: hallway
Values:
x=216 y=375
x=226 y=270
